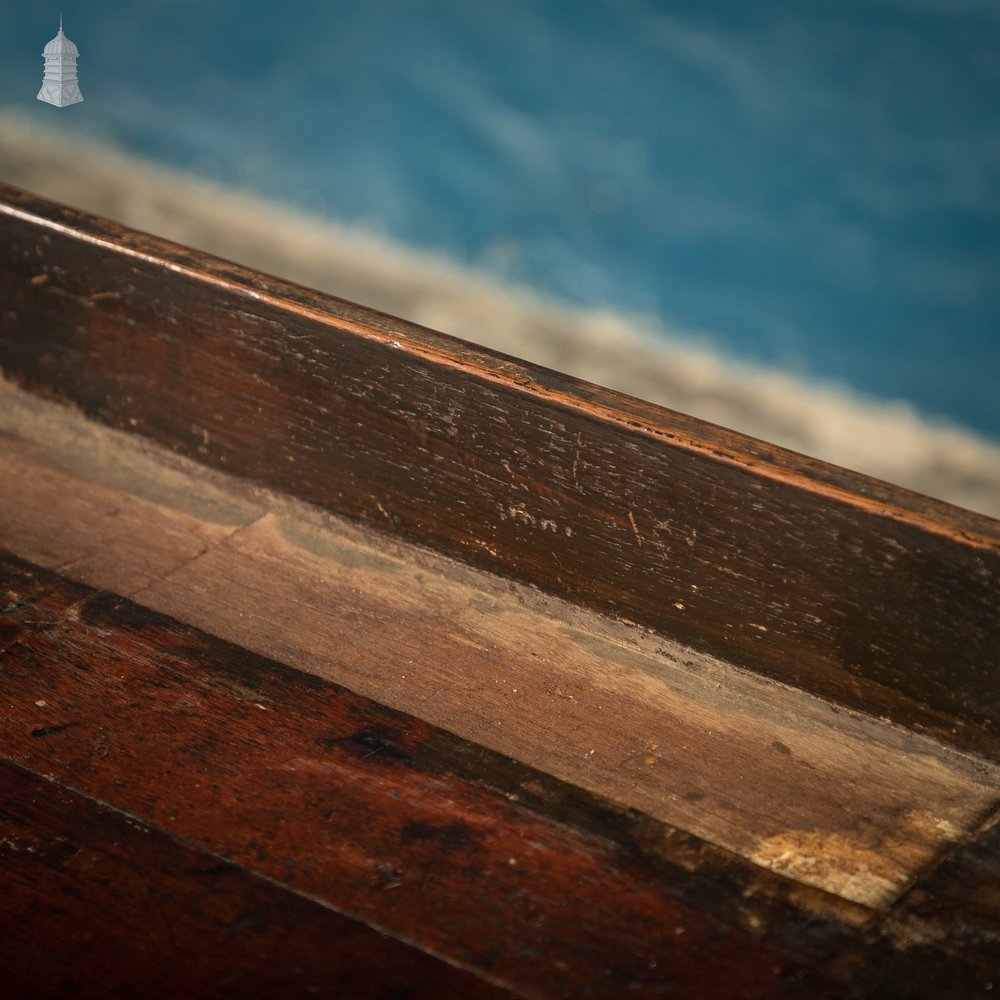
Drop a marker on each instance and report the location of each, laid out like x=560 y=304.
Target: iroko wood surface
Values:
x=867 y=595
x=96 y=903
x=180 y=814
x=612 y=703
x=332 y=797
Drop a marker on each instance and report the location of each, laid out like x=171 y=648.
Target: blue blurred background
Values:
x=812 y=185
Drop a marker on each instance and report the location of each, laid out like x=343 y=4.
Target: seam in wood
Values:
x=990 y=818
x=133 y=595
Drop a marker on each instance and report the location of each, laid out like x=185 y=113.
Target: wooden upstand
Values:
x=341 y=657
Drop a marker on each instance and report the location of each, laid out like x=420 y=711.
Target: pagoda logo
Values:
x=60 y=86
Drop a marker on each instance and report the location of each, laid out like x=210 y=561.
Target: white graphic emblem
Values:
x=59 y=86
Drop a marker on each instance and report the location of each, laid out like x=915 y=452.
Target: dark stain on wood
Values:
x=49 y=730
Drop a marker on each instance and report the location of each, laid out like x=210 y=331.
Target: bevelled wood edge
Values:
x=865 y=594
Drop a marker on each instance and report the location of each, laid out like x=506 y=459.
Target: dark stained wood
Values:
x=97 y=904
x=208 y=808
x=864 y=594
x=955 y=909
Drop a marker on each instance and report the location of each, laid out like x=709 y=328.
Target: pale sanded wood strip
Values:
x=844 y=802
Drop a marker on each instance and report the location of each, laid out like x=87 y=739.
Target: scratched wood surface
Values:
x=851 y=805
x=446 y=761
x=149 y=773
x=866 y=595
x=217 y=748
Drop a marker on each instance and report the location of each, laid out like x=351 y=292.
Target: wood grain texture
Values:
x=866 y=595
x=218 y=749
x=849 y=804
x=97 y=904
x=955 y=908
x=181 y=815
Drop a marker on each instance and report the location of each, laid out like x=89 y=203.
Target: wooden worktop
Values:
x=338 y=655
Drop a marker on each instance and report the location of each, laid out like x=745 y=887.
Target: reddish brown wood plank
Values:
x=95 y=903
x=28 y=601
x=534 y=884
x=865 y=594
x=166 y=721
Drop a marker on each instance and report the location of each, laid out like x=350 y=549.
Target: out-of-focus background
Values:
x=781 y=216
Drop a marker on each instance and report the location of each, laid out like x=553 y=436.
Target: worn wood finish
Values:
x=849 y=804
x=866 y=595
x=148 y=774
x=542 y=890
x=956 y=906
x=177 y=806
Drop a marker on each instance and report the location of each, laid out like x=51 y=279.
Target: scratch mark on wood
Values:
x=635 y=529
x=50 y=730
